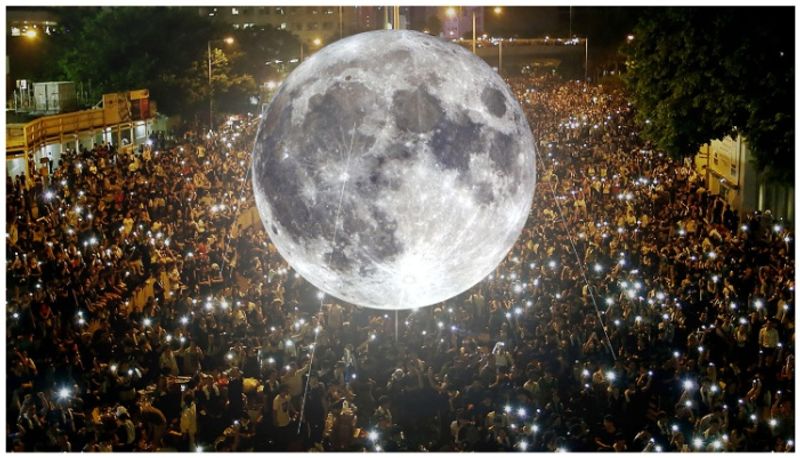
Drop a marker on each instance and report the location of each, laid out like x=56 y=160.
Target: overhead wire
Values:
x=318 y=328
x=581 y=265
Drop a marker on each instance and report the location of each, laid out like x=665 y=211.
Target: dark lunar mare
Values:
x=341 y=105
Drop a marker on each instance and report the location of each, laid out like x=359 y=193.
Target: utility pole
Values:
x=586 y=59
x=473 y=31
x=210 y=92
x=570 y=21
x=500 y=58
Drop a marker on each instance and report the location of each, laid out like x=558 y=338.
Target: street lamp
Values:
x=316 y=42
x=451 y=12
x=229 y=41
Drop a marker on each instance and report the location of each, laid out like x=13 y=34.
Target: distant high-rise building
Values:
x=313 y=25
x=457 y=21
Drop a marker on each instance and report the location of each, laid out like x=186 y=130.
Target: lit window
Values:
x=283 y=26
x=235 y=11
x=15 y=32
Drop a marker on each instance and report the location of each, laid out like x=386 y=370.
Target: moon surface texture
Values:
x=394 y=170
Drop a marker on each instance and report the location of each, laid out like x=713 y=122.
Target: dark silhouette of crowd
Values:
x=147 y=310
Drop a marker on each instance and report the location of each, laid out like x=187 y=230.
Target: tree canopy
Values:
x=126 y=48
x=702 y=73
x=166 y=51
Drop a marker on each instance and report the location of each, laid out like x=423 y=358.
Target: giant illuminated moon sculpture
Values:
x=394 y=170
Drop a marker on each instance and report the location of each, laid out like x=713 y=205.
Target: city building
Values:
x=729 y=171
x=313 y=25
x=125 y=119
x=319 y=25
x=457 y=21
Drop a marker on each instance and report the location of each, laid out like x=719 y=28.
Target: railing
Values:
x=52 y=127
x=47 y=128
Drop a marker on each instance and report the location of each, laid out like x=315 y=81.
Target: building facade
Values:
x=729 y=171
x=457 y=21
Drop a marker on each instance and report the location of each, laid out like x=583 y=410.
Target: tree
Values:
x=434 y=25
x=260 y=48
x=697 y=74
x=231 y=90
x=124 y=48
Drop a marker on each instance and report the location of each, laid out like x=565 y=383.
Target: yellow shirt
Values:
x=280 y=405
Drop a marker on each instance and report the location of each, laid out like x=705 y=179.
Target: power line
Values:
x=578 y=259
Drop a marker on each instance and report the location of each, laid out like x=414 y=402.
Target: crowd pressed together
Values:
x=147 y=311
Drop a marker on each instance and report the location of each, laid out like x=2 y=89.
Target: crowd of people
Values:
x=147 y=310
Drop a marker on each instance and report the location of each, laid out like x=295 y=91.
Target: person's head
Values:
x=609 y=424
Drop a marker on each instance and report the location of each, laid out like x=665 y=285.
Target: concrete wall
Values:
x=15 y=167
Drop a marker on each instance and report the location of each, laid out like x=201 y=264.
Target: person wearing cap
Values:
x=126 y=430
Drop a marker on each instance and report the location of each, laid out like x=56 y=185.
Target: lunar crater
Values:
x=494 y=101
